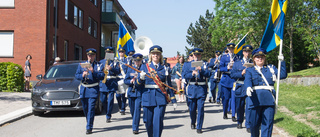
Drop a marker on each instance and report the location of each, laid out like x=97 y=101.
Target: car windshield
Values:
x=61 y=71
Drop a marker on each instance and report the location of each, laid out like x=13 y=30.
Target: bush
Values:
x=11 y=77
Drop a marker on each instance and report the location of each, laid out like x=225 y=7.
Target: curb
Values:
x=15 y=115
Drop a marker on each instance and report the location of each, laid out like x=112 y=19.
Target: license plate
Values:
x=60 y=103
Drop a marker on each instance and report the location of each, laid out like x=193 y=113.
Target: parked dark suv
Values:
x=58 y=90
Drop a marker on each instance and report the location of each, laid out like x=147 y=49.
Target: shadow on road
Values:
x=219 y=127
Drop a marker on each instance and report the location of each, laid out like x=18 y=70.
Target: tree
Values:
x=199 y=36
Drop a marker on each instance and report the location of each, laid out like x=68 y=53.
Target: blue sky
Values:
x=166 y=22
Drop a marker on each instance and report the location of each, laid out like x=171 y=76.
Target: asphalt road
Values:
x=70 y=124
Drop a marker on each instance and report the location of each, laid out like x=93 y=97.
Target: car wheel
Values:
x=98 y=107
x=37 y=113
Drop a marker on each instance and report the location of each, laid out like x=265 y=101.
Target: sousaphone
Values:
x=142 y=45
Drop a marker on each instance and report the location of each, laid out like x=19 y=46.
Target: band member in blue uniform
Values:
x=89 y=87
x=226 y=81
x=259 y=84
x=120 y=94
x=110 y=86
x=238 y=72
x=184 y=69
x=213 y=66
x=154 y=100
x=197 y=89
x=134 y=92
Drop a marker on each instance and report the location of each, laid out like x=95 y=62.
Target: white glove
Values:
x=142 y=75
x=249 y=91
x=280 y=57
x=175 y=106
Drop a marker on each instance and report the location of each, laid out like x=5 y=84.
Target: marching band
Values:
x=245 y=85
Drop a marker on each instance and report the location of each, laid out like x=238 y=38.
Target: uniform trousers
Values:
x=121 y=99
x=240 y=103
x=247 y=112
x=194 y=104
x=107 y=99
x=135 y=110
x=233 y=103
x=88 y=105
x=220 y=95
x=225 y=98
x=262 y=115
x=213 y=88
x=154 y=119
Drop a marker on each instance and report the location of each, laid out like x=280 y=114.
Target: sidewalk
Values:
x=14 y=106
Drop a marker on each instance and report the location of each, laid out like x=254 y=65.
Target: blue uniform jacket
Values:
x=213 y=68
x=93 y=77
x=134 y=90
x=153 y=96
x=226 y=80
x=196 y=91
x=236 y=73
x=111 y=83
x=124 y=67
x=262 y=97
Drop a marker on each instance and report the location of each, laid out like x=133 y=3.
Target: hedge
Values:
x=11 y=77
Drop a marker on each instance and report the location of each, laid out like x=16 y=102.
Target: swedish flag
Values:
x=124 y=39
x=238 y=48
x=274 y=29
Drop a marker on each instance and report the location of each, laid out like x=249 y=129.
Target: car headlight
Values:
x=35 y=90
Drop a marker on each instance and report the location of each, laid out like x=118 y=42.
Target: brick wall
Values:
x=28 y=21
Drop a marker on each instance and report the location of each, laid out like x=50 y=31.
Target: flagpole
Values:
x=278 y=77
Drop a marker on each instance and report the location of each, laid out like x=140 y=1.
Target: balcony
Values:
x=110 y=20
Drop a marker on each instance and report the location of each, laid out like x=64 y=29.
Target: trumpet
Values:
x=106 y=71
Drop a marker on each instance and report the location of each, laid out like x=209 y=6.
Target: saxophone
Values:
x=106 y=71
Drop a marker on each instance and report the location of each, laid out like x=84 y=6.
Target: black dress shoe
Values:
x=108 y=120
x=234 y=119
x=239 y=126
x=210 y=100
x=199 y=131
x=135 y=132
x=214 y=101
x=89 y=131
x=225 y=116
x=193 y=126
x=122 y=113
x=248 y=130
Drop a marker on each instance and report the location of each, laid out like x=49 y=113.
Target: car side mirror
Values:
x=39 y=77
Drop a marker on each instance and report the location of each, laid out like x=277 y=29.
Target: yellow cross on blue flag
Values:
x=238 y=48
x=124 y=40
x=274 y=29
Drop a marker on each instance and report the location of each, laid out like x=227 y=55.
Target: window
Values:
x=7 y=3
x=77 y=52
x=103 y=5
x=109 y=6
x=80 y=19
x=89 y=25
x=95 y=2
x=55 y=15
x=66 y=9
x=75 y=16
x=66 y=44
x=95 y=29
x=6 y=46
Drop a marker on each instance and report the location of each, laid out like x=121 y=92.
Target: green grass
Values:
x=300 y=99
x=306 y=72
x=293 y=127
